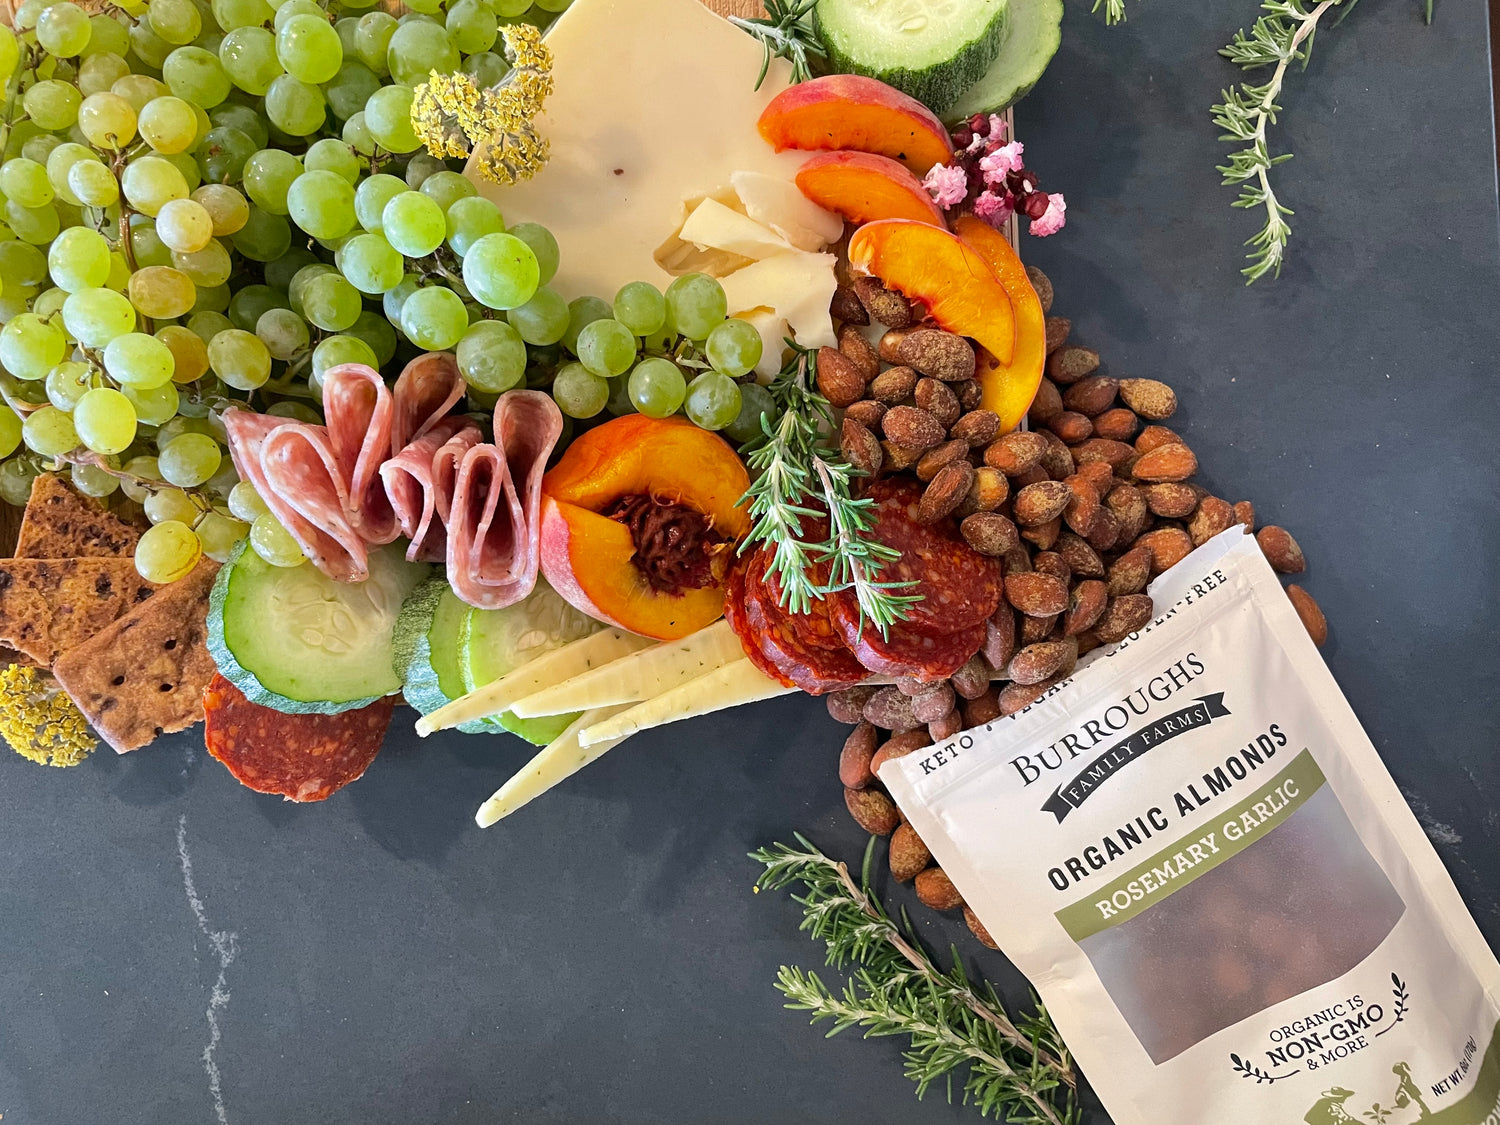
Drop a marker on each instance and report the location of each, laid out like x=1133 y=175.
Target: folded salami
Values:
x=1194 y=851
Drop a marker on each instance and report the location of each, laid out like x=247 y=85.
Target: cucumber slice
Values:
x=426 y=647
x=294 y=639
x=1035 y=34
x=493 y=642
x=934 y=50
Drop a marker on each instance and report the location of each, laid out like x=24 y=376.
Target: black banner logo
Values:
x=1066 y=798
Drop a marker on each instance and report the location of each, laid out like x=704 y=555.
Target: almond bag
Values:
x=1194 y=852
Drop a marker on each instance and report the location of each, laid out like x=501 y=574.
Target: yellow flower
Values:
x=39 y=722
x=453 y=117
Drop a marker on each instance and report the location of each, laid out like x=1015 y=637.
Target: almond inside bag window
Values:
x=1194 y=852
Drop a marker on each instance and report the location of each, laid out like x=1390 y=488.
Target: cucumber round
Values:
x=933 y=50
x=1035 y=34
x=294 y=639
x=426 y=650
x=493 y=642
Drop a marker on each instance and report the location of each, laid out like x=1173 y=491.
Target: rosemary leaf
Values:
x=788 y=32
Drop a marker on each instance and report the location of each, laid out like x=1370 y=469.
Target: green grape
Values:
x=48 y=303
x=264 y=237
x=279 y=274
x=372 y=37
x=371 y=264
x=175 y=21
x=139 y=89
x=93 y=184
x=713 y=401
x=471 y=26
x=188 y=166
x=445 y=188
x=492 y=356
x=98 y=73
x=469 y=220
x=107 y=35
x=147 y=248
x=356 y=134
x=233 y=14
x=39 y=147
x=10 y=432
x=64 y=30
x=119 y=272
x=541 y=320
x=240 y=359
x=189 y=353
x=377 y=332
x=283 y=332
x=207 y=325
x=184 y=226
x=105 y=420
x=197 y=76
x=606 y=348
x=189 y=460
x=153 y=405
x=233 y=115
x=330 y=155
x=22 y=264
x=107 y=121
x=30 y=346
x=296 y=107
x=151 y=182
x=322 y=204
x=274 y=543
x=252 y=302
x=245 y=503
x=422 y=10
x=165 y=504
x=221 y=155
x=486 y=68
x=393 y=299
x=25 y=182
x=161 y=292
x=94 y=481
x=417 y=49
x=168 y=551
x=347 y=26
x=220 y=535
x=36 y=225
x=657 y=387
x=543 y=246
x=553 y=5
x=68 y=382
x=207 y=268
x=583 y=311
x=52 y=104
x=509 y=9
x=138 y=360
x=79 y=259
x=434 y=318
x=388 y=117
x=60 y=162
x=145 y=469
x=420 y=167
x=371 y=197
x=619 y=396
x=300 y=280
x=413 y=224
x=93 y=317
x=10 y=53
x=733 y=347
x=225 y=206
x=172 y=429
x=49 y=431
x=578 y=392
x=16 y=477
x=697 y=304
x=640 y=307
x=289 y=8
x=269 y=176
x=755 y=401
x=248 y=56
x=501 y=271
x=308 y=48
x=331 y=302
x=336 y=350
x=350 y=89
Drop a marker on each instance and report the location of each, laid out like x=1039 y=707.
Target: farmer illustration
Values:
x=1408 y=1092
x=1329 y=1109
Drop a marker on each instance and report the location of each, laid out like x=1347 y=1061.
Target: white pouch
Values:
x=1194 y=852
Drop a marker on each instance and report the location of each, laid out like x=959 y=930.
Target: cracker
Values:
x=61 y=524
x=144 y=675
x=50 y=605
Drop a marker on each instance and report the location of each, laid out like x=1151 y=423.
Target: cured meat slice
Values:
x=299 y=757
x=957 y=587
x=419 y=482
x=735 y=615
x=428 y=388
x=805 y=647
x=493 y=549
x=903 y=651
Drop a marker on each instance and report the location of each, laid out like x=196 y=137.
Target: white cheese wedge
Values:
x=797 y=285
x=559 y=760
x=654 y=102
x=729 y=686
x=773 y=333
x=780 y=205
x=713 y=225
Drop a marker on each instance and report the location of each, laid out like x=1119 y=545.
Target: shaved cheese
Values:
x=773 y=333
x=725 y=687
x=780 y=205
x=580 y=656
x=714 y=225
x=558 y=760
x=797 y=285
x=641 y=675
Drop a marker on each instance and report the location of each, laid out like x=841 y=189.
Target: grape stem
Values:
x=17 y=404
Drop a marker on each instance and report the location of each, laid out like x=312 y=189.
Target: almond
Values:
x=1036 y=595
x=872 y=810
x=1015 y=452
x=908 y=856
x=976 y=927
x=891 y=387
x=1046 y=405
x=854 y=759
x=1281 y=550
x=936 y=890
x=1312 y=617
x=1166 y=463
x=1091 y=396
x=1034 y=475
x=1098 y=474
x=1085 y=606
x=1105 y=533
x=1171 y=500
x=1112 y=453
x=932 y=351
x=1128 y=503
x=1244 y=512
x=839 y=380
x=912 y=428
x=1148 y=398
x=989 y=490
x=1069 y=364
x=890 y=710
x=859 y=351
x=1037 y=503
x=845 y=306
x=983 y=708
x=1000 y=638
x=1043 y=535
x=1071 y=426
x=1129 y=573
x=1017 y=560
x=970 y=393
x=899 y=746
x=897 y=458
x=1017 y=697
x=1118 y=424
x=885 y=305
x=1034 y=630
x=1057 y=328
x=1050 y=562
x=867 y=412
x=935 y=458
x=1152 y=437
x=932 y=705
x=977 y=427
x=946 y=491
x=1038 y=662
x=973 y=679
x=1168 y=547
x=1043 y=286
x=1084 y=506
x=859 y=446
x=889 y=348
x=848 y=706
x=1123 y=616
x=935 y=397
x=1057 y=458
x=1082 y=559
x=1212 y=517
x=946 y=727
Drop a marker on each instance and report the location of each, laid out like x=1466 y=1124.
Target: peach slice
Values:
x=848 y=111
x=953 y=280
x=1009 y=387
x=864 y=187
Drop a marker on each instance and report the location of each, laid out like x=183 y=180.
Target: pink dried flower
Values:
x=948 y=184
x=1002 y=161
x=997 y=127
x=1053 y=218
x=993 y=209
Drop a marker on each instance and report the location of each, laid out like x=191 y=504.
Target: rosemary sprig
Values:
x=1114 y=10
x=802 y=481
x=1017 y=1070
x=787 y=32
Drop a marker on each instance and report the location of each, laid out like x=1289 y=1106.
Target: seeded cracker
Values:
x=49 y=605
x=61 y=524
x=145 y=674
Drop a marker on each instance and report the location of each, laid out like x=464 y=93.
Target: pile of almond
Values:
x=1082 y=510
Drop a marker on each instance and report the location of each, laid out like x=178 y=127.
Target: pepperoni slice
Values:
x=903 y=651
x=735 y=614
x=806 y=647
x=300 y=757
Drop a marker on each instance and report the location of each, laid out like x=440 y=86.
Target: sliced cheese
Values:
x=773 y=333
x=558 y=760
x=574 y=659
x=641 y=675
x=797 y=285
x=654 y=101
x=729 y=686
x=715 y=226
x=780 y=205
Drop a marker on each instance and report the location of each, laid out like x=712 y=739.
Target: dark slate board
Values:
x=600 y=957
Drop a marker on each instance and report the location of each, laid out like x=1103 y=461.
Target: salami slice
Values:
x=300 y=757
x=419 y=481
x=805 y=647
x=428 y=388
x=958 y=587
x=359 y=410
x=735 y=615
x=903 y=651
